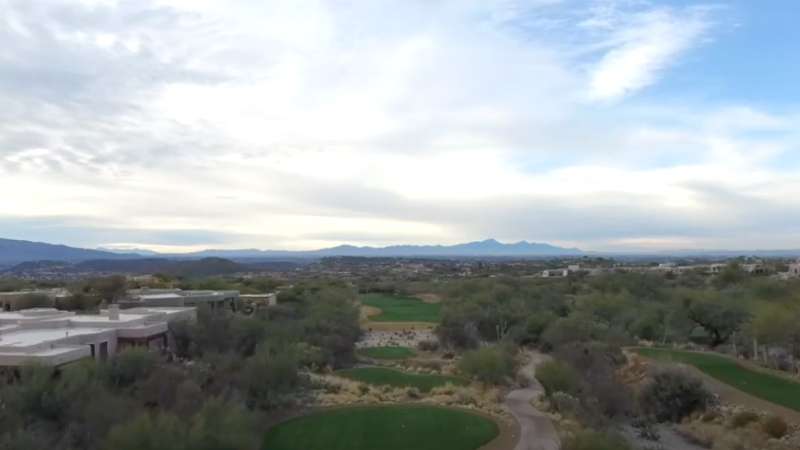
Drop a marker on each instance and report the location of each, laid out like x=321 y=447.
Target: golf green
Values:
x=763 y=385
x=387 y=352
x=381 y=376
x=384 y=428
x=397 y=308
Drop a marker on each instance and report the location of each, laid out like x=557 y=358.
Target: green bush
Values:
x=148 y=432
x=269 y=375
x=743 y=418
x=673 y=395
x=492 y=365
x=775 y=427
x=565 y=404
x=595 y=440
x=557 y=376
x=33 y=301
x=129 y=366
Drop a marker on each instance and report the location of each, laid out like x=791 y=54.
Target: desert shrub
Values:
x=493 y=365
x=701 y=435
x=595 y=440
x=431 y=365
x=597 y=363
x=566 y=330
x=269 y=375
x=148 y=432
x=743 y=418
x=79 y=301
x=775 y=427
x=565 y=404
x=33 y=301
x=222 y=425
x=673 y=395
x=413 y=393
x=646 y=429
x=129 y=366
x=428 y=346
x=556 y=376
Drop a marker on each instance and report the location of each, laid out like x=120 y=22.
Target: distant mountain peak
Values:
x=22 y=251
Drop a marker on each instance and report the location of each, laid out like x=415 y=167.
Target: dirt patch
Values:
x=405 y=337
x=429 y=298
x=398 y=326
x=369 y=311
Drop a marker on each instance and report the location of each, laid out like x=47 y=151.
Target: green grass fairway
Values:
x=381 y=376
x=758 y=384
x=387 y=352
x=396 y=308
x=384 y=428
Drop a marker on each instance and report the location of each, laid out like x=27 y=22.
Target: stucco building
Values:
x=52 y=337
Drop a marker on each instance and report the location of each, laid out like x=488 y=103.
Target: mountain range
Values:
x=16 y=251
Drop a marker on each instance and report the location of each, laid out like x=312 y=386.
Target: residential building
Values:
x=52 y=337
x=177 y=297
x=555 y=273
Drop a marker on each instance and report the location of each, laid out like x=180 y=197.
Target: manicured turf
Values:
x=758 y=384
x=396 y=308
x=387 y=352
x=384 y=428
x=382 y=376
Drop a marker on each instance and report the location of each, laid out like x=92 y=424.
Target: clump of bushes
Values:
x=743 y=418
x=491 y=365
x=565 y=404
x=413 y=393
x=428 y=346
x=775 y=427
x=595 y=440
x=557 y=376
x=673 y=395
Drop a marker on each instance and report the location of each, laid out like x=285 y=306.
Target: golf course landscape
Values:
x=381 y=376
x=773 y=388
x=383 y=427
x=394 y=352
x=398 y=308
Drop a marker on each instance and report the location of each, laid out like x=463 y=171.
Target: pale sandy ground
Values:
x=429 y=298
x=407 y=338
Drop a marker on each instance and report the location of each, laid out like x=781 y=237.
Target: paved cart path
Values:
x=536 y=429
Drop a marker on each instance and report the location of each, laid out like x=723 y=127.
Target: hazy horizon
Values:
x=606 y=125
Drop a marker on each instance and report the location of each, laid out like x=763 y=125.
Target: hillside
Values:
x=16 y=251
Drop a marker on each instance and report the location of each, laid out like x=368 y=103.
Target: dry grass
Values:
x=336 y=391
x=716 y=433
x=429 y=298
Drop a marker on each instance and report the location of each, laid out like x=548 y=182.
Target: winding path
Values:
x=536 y=429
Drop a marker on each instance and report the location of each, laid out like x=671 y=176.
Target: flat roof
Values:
x=158 y=296
x=123 y=317
x=24 y=338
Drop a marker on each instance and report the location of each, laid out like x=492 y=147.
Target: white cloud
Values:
x=643 y=46
x=183 y=124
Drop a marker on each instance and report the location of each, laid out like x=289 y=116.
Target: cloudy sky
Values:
x=603 y=124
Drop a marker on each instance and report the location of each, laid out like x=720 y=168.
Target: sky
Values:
x=177 y=125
